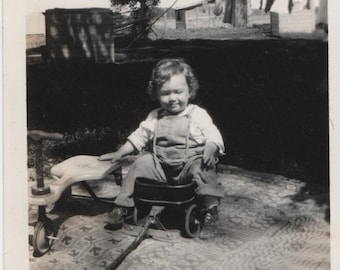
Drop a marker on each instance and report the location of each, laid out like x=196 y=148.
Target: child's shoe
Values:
x=117 y=217
x=209 y=222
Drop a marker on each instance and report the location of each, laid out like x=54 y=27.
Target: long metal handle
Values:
x=139 y=238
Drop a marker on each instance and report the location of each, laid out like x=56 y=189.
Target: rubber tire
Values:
x=192 y=224
x=141 y=213
x=135 y=216
x=41 y=242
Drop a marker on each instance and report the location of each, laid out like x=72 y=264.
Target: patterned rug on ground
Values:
x=266 y=222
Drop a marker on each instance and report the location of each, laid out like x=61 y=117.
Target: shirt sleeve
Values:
x=210 y=132
x=144 y=133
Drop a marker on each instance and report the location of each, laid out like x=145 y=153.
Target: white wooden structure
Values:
x=301 y=19
x=197 y=15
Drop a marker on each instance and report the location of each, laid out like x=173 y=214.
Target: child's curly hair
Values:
x=166 y=68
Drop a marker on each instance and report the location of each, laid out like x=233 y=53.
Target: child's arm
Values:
x=137 y=139
x=214 y=145
x=209 y=154
x=124 y=150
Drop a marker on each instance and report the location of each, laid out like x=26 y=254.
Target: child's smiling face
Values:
x=174 y=94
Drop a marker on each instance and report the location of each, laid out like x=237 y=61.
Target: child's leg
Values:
x=206 y=179
x=210 y=192
x=144 y=166
x=210 y=201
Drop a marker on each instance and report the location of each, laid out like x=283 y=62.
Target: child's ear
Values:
x=150 y=91
x=192 y=95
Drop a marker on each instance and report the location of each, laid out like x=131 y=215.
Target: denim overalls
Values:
x=176 y=158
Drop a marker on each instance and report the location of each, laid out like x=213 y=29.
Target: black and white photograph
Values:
x=172 y=134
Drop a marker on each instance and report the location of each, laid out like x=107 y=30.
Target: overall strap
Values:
x=159 y=115
x=188 y=133
x=155 y=134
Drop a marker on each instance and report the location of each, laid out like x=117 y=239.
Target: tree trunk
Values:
x=237 y=12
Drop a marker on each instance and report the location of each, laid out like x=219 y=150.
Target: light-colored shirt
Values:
x=202 y=129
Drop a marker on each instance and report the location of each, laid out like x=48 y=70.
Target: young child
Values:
x=185 y=143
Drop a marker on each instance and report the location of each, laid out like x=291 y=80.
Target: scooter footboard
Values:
x=70 y=171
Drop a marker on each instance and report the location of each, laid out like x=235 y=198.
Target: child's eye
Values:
x=164 y=93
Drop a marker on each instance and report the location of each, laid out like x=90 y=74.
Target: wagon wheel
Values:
x=42 y=237
x=135 y=216
x=192 y=224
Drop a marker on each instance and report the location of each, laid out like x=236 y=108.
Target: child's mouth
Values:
x=174 y=106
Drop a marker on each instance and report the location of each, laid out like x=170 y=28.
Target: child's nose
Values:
x=172 y=96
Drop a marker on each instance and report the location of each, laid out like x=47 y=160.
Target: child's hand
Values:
x=114 y=157
x=124 y=150
x=209 y=155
